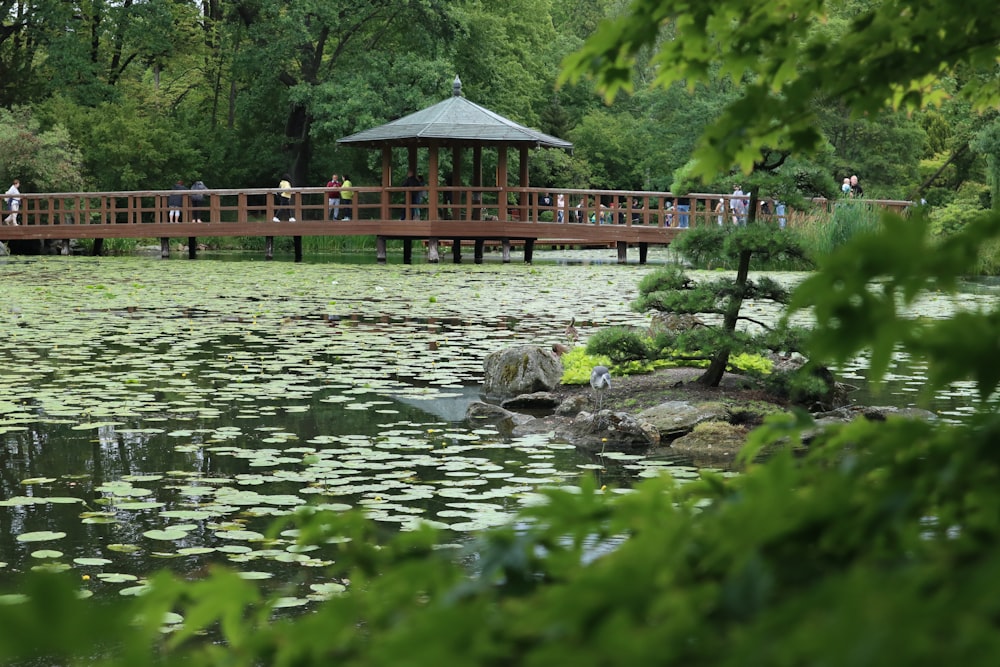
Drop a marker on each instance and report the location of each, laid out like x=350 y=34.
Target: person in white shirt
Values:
x=739 y=206
x=13 y=202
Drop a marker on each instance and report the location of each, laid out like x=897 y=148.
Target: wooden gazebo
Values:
x=458 y=124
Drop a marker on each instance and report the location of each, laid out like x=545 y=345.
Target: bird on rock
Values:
x=600 y=381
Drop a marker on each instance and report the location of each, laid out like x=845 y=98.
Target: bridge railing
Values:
x=481 y=203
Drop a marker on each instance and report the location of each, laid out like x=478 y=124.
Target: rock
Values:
x=676 y=418
x=870 y=412
x=540 y=400
x=609 y=431
x=505 y=420
x=574 y=405
x=532 y=426
x=663 y=321
x=523 y=369
x=711 y=443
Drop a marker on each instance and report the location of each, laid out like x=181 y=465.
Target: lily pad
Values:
x=46 y=553
x=40 y=536
x=97 y=562
x=168 y=535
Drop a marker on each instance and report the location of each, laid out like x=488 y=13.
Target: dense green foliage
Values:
x=877 y=546
x=236 y=94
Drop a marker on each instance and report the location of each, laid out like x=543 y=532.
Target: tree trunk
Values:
x=299 y=145
x=717 y=368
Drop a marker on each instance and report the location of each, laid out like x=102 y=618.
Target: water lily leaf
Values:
x=21 y=501
x=40 y=536
x=99 y=520
x=192 y=515
x=37 y=480
x=46 y=553
x=253 y=575
x=138 y=505
x=195 y=551
x=286 y=602
x=51 y=568
x=240 y=535
x=116 y=577
x=124 y=548
x=97 y=562
x=10 y=599
x=167 y=535
x=328 y=590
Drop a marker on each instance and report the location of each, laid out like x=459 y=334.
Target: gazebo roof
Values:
x=454 y=121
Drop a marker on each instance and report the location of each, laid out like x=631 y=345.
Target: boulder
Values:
x=667 y=322
x=676 y=418
x=574 y=405
x=505 y=420
x=609 y=431
x=711 y=443
x=523 y=369
x=540 y=400
x=533 y=426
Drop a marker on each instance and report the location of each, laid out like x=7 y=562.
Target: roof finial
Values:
x=456 y=87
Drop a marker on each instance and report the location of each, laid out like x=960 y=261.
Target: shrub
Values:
x=620 y=344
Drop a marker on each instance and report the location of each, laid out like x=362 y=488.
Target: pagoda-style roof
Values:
x=454 y=122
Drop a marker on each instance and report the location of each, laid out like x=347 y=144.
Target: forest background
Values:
x=130 y=95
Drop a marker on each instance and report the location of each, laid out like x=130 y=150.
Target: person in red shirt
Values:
x=333 y=197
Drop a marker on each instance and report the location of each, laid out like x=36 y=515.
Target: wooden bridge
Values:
x=619 y=218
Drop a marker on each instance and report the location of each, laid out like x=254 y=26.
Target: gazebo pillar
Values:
x=384 y=201
x=386 y=182
x=456 y=180
x=432 y=197
x=477 y=182
x=523 y=180
x=503 y=183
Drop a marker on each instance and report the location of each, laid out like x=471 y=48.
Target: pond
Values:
x=162 y=413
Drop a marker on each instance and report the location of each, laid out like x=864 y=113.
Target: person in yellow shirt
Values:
x=283 y=209
x=347 y=197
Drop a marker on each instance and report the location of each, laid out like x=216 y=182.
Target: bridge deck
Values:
x=588 y=217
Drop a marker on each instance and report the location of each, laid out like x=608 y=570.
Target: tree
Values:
x=987 y=143
x=786 y=59
x=45 y=160
x=671 y=291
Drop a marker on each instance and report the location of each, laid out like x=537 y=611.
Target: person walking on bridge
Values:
x=333 y=197
x=283 y=210
x=198 y=201
x=13 y=202
x=347 y=196
x=175 y=201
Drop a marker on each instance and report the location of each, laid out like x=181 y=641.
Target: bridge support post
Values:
x=477 y=256
x=456 y=251
x=269 y=247
x=380 y=250
x=529 y=250
x=164 y=247
x=622 y=252
x=297 y=243
x=192 y=247
x=643 y=251
x=432 y=251
x=506 y=250
x=98 y=248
